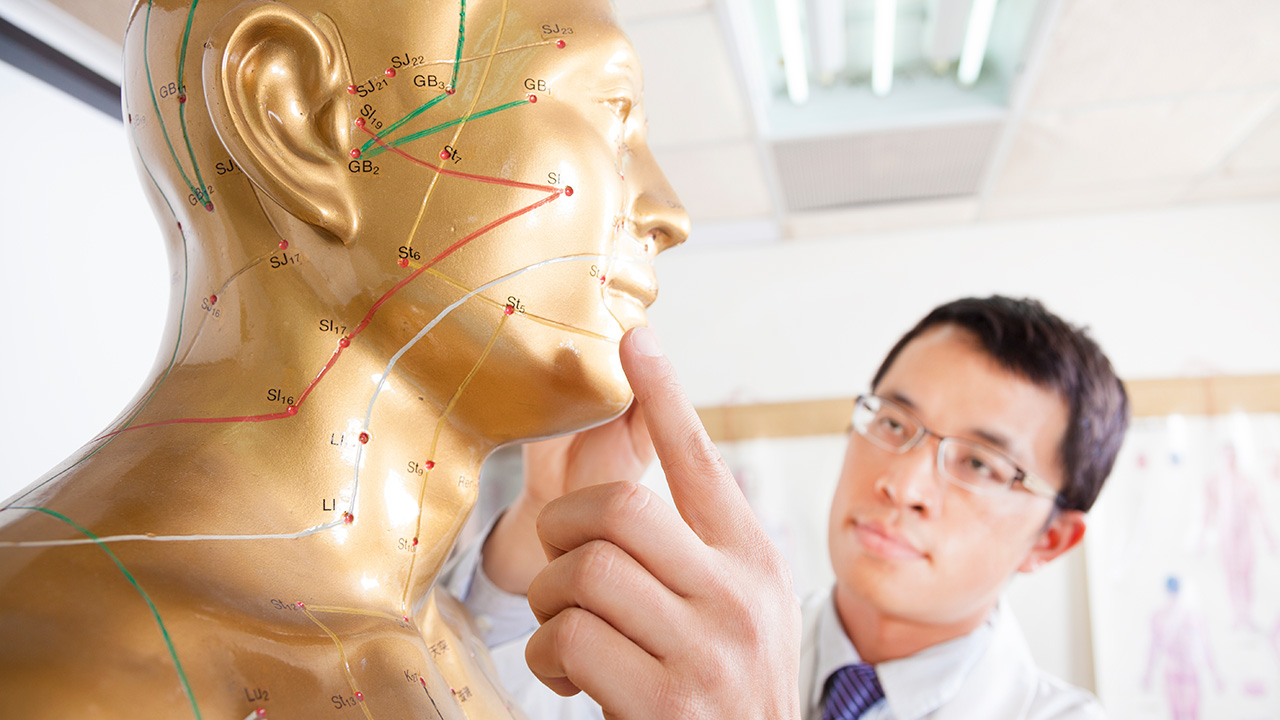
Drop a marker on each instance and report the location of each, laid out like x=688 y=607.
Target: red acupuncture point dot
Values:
x=602 y=279
x=560 y=44
x=359 y=122
x=351 y=89
x=453 y=691
x=179 y=227
x=422 y=680
x=533 y=98
x=355 y=153
x=284 y=244
x=403 y=262
x=450 y=90
x=260 y=712
x=510 y=309
x=293 y=410
x=389 y=72
x=344 y=342
x=444 y=155
x=213 y=299
x=300 y=604
x=182 y=98
x=208 y=206
x=568 y=191
x=430 y=464
x=348 y=518
x=415 y=544
x=359 y=695
x=364 y=438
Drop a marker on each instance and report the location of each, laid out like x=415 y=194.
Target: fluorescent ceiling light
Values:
x=793 y=53
x=975 y=41
x=829 y=31
x=882 y=50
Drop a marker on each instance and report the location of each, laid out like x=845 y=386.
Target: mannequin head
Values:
x=292 y=159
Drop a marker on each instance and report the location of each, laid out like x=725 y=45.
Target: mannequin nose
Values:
x=656 y=211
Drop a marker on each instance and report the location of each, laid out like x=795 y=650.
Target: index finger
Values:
x=702 y=487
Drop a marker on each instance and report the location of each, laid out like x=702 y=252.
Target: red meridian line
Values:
x=455 y=173
x=449 y=251
x=359 y=328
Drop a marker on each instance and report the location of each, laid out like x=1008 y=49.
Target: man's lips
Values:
x=880 y=540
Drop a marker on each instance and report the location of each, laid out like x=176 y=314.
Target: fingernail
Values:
x=645 y=341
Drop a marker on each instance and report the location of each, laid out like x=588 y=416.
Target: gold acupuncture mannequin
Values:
x=403 y=233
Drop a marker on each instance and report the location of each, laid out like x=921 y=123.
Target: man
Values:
x=987 y=434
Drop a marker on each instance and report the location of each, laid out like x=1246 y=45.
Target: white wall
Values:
x=1169 y=292
x=84 y=295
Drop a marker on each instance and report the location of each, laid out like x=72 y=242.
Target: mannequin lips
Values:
x=636 y=280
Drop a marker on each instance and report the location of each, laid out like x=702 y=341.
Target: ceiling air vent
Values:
x=916 y=163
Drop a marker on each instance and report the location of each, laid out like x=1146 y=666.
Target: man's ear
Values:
x=1063 y=532
x=275 y=82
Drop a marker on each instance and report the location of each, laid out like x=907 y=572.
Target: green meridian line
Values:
x=443 y=126
x=462 y=34
x=151 y=87
x=396 y=125
x=182 y=675
x=182 y=316
x=182 y=107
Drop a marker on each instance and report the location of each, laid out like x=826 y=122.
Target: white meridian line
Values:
x=359 y=453
x=355 y=486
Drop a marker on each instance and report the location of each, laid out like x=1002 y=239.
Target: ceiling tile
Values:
x=889 y=217
x=1097 y=198
x=108 y=17
x=1073 y=151
x=691 y=94
x=629 y=10
x=718 y=182
x=1121 y=50
x=1260 y=150
x=1232 y=186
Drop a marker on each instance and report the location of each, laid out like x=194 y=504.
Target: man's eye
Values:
x=979 y=467
x=891 y=425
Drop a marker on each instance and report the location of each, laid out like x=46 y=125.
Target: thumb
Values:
x=701 y=485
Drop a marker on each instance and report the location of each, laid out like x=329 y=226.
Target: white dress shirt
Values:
x=985 y=675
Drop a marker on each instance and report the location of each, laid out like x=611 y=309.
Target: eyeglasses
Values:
x=974 y=467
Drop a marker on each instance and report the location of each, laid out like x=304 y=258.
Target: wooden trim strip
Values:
x=1186 y=396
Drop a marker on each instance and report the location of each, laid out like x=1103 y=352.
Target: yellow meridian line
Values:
x=353 y=611
x=435 y=440
x=449 y=61
x=527 y=315
x=346 y=666
x=426 y=200
x=496 y=52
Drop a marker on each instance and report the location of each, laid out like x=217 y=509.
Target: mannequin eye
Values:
x=620 y=106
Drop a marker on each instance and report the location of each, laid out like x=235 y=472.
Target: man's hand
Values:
x=619 y=450
x=659 y=614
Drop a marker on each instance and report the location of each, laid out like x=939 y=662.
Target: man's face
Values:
x=914 y=546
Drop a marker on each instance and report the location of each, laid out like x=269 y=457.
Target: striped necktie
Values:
x=850 y=691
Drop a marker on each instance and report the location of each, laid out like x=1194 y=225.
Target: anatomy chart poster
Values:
x=1184 y=571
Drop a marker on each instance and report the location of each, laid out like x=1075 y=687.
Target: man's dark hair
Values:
x=1033 y=343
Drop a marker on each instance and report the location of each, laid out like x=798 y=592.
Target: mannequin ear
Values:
x=275 y=83
x=1064 y=531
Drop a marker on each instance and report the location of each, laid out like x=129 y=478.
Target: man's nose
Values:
x=910 y=480
x=656 y=211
